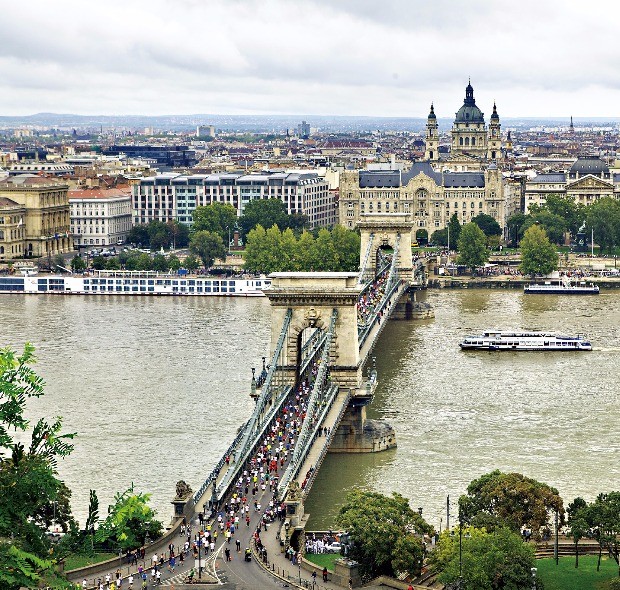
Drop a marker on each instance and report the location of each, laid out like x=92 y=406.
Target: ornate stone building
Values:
x=431 y=197
x=587 y=180
x=43 y=206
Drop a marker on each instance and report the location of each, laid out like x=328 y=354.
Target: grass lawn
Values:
x=323 y=559
x=73 y=562
x=564 y=576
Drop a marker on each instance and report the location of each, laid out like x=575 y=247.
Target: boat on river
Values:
x=135 y=283
x=525 y=341
x=563 y=286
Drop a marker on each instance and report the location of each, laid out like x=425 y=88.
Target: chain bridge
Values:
x=324 y=328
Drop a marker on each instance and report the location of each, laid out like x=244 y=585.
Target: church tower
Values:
x=469 y=132
x=494 y=143
x=432 y=137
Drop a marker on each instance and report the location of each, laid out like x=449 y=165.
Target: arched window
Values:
x=493 y=155
x=467 y=141
x=1 y=249
x=460 y=141
x=473 y=141
x=430 y=155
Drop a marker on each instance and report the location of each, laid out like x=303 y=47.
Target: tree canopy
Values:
x=515 y=500
x=385 y=533
x=490 y=560
x=158 y=234
x=273 y=250
x=603 y=217
x=217 y=218
x=32 y=498
x=487 y=224
x=472 y=246
x=207 y=246
x=454 y=231
x=267 y=213
x=538 y=256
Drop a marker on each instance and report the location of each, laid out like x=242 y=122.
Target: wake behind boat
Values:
x=518 y=341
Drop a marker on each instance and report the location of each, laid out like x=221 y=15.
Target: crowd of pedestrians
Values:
x=371 y=297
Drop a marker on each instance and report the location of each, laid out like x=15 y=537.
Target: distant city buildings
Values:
x=175 y=196
x=205 y=131
x=166 y=156
x=100 y=217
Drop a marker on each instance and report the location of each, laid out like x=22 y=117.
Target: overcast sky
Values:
x=341 y=57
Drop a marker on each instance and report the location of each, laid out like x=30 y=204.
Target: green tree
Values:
x=538 y=256
x=179 y=234
x=454 y=230
x=287 y=249
x=571 y=212
x=58 y=263
x=144 y=262
x=191 y=262
x=516 y=500
x=489 y=561
x=385 y=531
x=78 y=264
x=255 y=247
x=207 y=246
x=554 y=225
x=174 y=263
x=129 y=521
x=139 y=235
x=217 y=218
x=265 y=212
x=160 y=263
x=112 y=263
x=604 y=513
x=514 y=225
x=347 y=245
x=440 y=237
x=304 y=254
x=32 y=498
x=324 y=255
x=472 y=246
x=487 y=224
x=604 y=218
x=98 y=262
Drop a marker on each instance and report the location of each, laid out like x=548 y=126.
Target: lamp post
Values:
x=199 y=543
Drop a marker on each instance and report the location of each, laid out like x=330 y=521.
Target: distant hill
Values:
x=266 y=123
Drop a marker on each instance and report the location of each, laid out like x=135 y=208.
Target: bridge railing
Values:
x=392 y=283
x=328 y=440
x=267 y=392
x=360 y=278
x=318 y=391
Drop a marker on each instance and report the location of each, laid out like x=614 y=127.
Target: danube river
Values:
x=156 y=388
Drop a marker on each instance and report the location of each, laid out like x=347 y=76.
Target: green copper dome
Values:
x=469 y=112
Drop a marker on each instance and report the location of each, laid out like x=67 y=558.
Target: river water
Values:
x=156 y=388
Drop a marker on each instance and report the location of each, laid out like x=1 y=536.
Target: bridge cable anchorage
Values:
x=252 y=426
x=360 y=278
x=391 y=285
x=318 y=394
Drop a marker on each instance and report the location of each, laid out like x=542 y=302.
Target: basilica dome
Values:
x=469 y=112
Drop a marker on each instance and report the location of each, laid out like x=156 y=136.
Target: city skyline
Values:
x=308 y=57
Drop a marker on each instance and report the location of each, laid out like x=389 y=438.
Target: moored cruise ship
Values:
x=525 y=341
x=135 y=283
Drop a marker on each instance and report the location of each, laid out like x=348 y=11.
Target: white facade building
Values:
x=175 y=196
x=100 y=217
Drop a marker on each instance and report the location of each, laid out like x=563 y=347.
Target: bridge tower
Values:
x=381 y=231
x=312 y=298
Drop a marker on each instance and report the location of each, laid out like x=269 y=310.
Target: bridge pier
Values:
x=409 y=307
x=358 y=434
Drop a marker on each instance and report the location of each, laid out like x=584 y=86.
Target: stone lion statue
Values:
x=183 y=489
x=294 y=491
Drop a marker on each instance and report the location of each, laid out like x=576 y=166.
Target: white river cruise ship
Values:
x=525 y=341
x=134 y=283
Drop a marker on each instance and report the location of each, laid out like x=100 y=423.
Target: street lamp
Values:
x=199 y=543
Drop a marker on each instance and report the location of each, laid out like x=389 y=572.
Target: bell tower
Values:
x=494 y=143
x=432 y=137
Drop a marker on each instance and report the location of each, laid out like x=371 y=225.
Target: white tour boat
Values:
x=120 y=282
x=563 y=286
x=525 y=341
